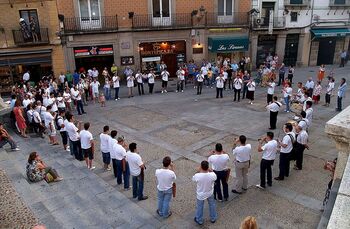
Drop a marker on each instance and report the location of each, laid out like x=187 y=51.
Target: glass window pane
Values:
x=221 y=7
x=95 y=9
x=229 y=7
x=340 y=2
x=156 y=8
x=165 y=8
x=84 y=9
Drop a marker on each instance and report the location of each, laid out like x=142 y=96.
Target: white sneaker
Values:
x=165 y=91
x=182 y=91
x=162 y=92
x=259 y=186
x=16 y=149
x=92 y=168
x=116 y=99
x=177 y=91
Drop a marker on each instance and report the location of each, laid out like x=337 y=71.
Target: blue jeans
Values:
x=164 y=198
x=137 y=187
x=286 y=100
x=80 y=107
x=107 y=93
x=116 y=94
x=4 y=141
x=121 y=174
x=212 y=210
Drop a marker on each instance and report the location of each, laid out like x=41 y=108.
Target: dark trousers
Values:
x=273 y=119
x=339 y=108
x=38 y=128
x=140 y=88
x=299 y=155
x=221 y=179
x=150 y=87
x=137 y=187
x=80 y=107
x=219 y=92
x=230 y=86
x=237 y=91
x=328 y=98
x=115 y=167
x=265 y=167
x=116 y=94
x=121 y=175
x=245 y=89
x=342 y=62
x=199 y=88
x=284 y=165
x=4 y=141
x=180 y=85
x=280 y=79
x=290 y=78
x=269 y=98
x=76 y=149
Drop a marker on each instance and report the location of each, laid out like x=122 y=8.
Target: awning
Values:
x=228 y=44
x=339 y=32
x=27 y=57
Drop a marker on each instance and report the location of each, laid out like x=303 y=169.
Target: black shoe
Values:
x=158 y=213
x=272 y=128
x=226 y=199
x=244 y=189
x=144 y=198
x=84 y=112
x=212 y=221
x=278 y=178
x=270 y=185
x=234 y=191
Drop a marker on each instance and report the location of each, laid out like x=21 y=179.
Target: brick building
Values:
x=141 y=33
x=28 y=40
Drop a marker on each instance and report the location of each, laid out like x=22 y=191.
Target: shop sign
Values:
x=156 y=49
x=228 y=44
x=93 y=51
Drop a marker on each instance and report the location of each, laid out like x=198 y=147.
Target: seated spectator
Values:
x=6 y=138
x=37 y=170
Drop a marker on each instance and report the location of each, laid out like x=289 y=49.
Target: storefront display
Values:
x=99 y=56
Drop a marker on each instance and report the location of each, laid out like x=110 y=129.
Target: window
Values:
x=161 y=8
x=296 y=2
x=225 y=7
x=89 y=9
x=294 y=16
x=339 y=2
x=27 y=15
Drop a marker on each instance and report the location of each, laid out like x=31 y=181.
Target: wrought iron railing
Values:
x=86 y=24
x=27 y=37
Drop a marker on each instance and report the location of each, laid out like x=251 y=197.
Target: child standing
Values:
x=102 y=100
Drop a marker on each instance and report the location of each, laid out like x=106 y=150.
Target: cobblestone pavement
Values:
x=14 y=213
x=186 y=127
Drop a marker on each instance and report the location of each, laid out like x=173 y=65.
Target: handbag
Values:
x=174 y=189
x=48 y=178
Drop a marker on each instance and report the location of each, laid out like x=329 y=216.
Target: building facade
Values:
x=29 y=40
x=300 y=32
x=142 y=33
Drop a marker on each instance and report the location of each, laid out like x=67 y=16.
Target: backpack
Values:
x=58 y=127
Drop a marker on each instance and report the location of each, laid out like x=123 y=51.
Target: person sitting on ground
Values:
x=37 y=170
x=6 y=138
x=249 y=223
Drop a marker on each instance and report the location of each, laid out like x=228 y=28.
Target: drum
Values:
x=296 y=107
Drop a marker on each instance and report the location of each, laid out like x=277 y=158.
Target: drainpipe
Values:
x=312 y=15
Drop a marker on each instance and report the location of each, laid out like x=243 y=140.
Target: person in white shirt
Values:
x=118 y=156
x=40 y=109
x=309 y=112
x=287 y=95
x=237 y=86
x=76 y=94
x=67 y=99
x=274 y=108
x=50 y=125
x=26 y=101
x=204 y=71
x=269 y=151
x=165 y=186
x=52 y=103
x=61 y=105
x=94 y=73
x=303 y=122
x=139 y=79
x=270 y=90
x=301 y=143
x=37 y=122
x=286 y=148
x=94 y=89
x=130 y=85
x=26 y=76
x=61 y=128
x=151 y=77
x=200 y=79
x=104 y=147
x=137 y=168
x=74 y=137
x=165 y=77
x=219 y=85
x=242 y=155
x=329 y=91
x=310 y=84
x=205 y=180
x=180 y=80
x=218 y=162
x=251 y=90
x=87 y=145
x=116 y=86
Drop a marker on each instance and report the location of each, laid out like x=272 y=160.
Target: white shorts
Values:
x=51 y=132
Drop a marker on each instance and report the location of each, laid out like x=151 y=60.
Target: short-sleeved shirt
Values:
x=72 y=131
x=134 y=161
x=288 y=140
x=269 y=150
x=48 y=118
x=115 y=81
x=220 y=82
x=85 y=139
x=165 y=179
x=242 y=153
x=302 y=137
x=218 y=162
x=117 y=151
x=104 y=142
x=205 y=184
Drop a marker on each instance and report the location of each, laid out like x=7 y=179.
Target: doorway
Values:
x=291 y=49
x=171 y=62
x=161 y=12
x=326 y=51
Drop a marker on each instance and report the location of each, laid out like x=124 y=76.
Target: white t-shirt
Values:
x=150 y=77
x=225 y=74
x=204 y=70
x=95 y=86
x=302 y=137
x=309 y=84
x=104 y=142
x=94 y=73
x=85 y=139
x=165 y=179
x=218 y=162
x=26 y=76
x=67 y=97
x=180 y=74
x=115 y=81
x=165 y=75
x=242 y=153
x=62 y=78
x=76 y=95
x=251 y=86
x=72 y=131
x=41 y=110
x=135 y=162
x=200 y=77
x=48 y=118
x=309 y=112
x=52 y=102
x=26 y=102
x=287 y=92
x=237 y=83
x=117 y=151
x=36 y=117
x=220 y=82
x=139 y=78
x=287 y=140
x=274 y=107
x=304 y=123
x=205 y=184
x=61 y=121
x=269 y=150
x=130 y=81
x=330 y=88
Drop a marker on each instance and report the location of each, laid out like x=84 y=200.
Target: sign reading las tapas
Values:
x=93 y=51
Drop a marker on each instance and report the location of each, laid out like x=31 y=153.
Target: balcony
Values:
x=90 y=24
x=299 y=3
x=187 y=20
x=264 y=22
x=21 y=38
x=339 y=3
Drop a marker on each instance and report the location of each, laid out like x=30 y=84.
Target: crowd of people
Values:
x=48 y=107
